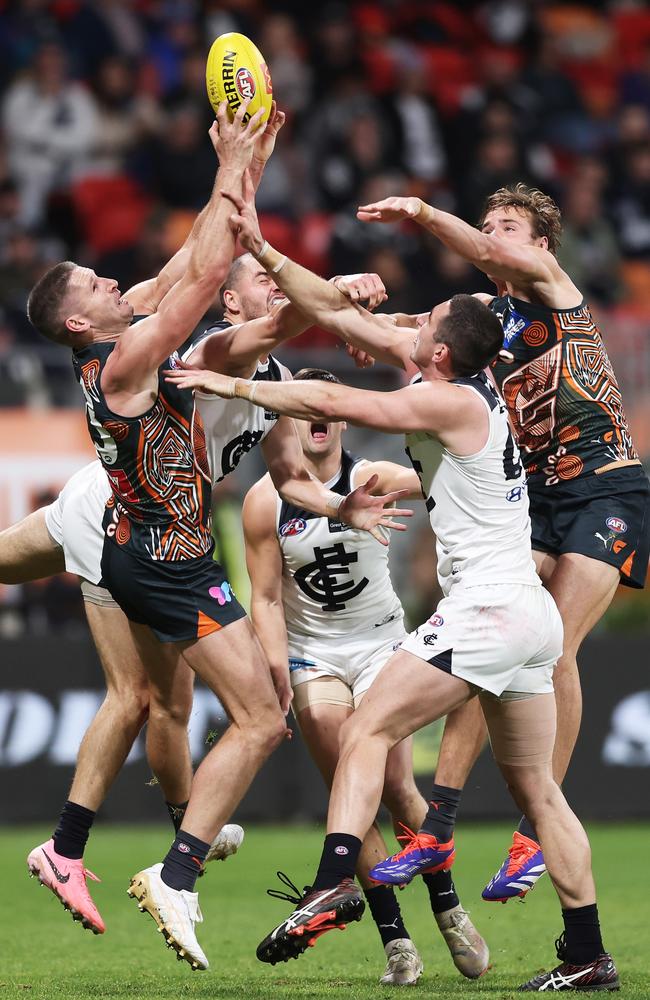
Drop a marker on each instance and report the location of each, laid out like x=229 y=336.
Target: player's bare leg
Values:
x=522 y=733
x=28 y=552
x=407 y=694
x=320 y=726
x=408 y=809
x=231 y=662
x=170 y=683
x=583 y=589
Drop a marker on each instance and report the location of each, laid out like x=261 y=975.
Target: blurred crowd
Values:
x=104 y=156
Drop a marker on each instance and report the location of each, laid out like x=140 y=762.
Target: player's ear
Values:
x=231 y=301
x=543 y=242
x=77 y=323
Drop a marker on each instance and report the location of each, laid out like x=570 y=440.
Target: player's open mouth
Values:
x=276 y=299
x=319 y=432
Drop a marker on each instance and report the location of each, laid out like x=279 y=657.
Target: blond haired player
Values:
x=323 y=601
x=589 y=495
x=474 y=643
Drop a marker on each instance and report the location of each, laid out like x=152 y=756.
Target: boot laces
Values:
x=297 y=896
x=518 y=854
x=412 y=842
x=560 y=946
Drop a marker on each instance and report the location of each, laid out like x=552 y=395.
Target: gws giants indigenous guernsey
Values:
x=161 y=501
x=561 y=392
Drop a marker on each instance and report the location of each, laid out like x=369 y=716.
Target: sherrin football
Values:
x=236 y=71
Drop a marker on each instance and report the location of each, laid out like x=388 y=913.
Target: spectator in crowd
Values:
x=589 y=251
x=51 y=126
x=631 y=202
x=124 y=116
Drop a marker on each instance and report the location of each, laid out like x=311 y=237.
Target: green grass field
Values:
x=43 y=954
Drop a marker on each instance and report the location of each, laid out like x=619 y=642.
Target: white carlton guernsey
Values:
x=478 y=504
x=335 y=579
x=229 y=428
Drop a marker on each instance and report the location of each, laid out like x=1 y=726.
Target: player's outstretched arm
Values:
x=321 y=301
x=360 y=508
x=237 y=349
x=391 y=476
x=141 y=349
x=264 y=564
x=498 y=257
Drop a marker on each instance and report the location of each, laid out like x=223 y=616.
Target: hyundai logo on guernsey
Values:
x=616 y=524
x=437 y=620
x=515 y=494
x=223 y=594
x=293 y=527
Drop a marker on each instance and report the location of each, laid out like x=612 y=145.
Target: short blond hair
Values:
x=544 y=214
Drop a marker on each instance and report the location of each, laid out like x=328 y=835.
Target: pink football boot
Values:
x=67 y=880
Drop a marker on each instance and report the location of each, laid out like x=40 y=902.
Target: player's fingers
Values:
x=394 y=525
x=378 y=535
x=255 y=122
x=235 y=199
x=241 y=111
x=395 y=512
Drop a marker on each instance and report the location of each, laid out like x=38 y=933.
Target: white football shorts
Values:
x=498 y=637
x=74 y=521
x=355 y=660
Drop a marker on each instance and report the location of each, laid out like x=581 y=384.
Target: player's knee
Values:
x=175 y=712
x=130 y=703
x=350 y=734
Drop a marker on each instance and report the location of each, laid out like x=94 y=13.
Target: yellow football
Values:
x=236 y=71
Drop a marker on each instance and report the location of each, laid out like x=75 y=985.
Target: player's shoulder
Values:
x=259 y=502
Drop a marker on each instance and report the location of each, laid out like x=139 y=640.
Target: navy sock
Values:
x=441 y=816
x=338 y=860
x=71 y=835
x=527 y=829
x=386 y=913
x=184 y=861
x=583 y=942
x=442 y=891
x=176 y=814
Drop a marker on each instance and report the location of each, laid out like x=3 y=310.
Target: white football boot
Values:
x=175 y=911
x=469 y=951
x=227 y=842
x=404 y=966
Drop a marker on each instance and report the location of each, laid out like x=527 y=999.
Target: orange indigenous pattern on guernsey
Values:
x=561 y=391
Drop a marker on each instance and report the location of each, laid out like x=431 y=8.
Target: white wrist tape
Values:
x=262 y=250
x=334 y=502
x=278 y=267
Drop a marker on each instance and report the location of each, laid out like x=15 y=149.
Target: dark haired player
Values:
x=157 y=558
x=589 y=495
x=473 y=644
x=324 y=608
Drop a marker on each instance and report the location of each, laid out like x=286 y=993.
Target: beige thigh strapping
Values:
x=97 y=595
x=322 y=691
x=522 y=730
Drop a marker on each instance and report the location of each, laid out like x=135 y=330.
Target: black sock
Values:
x=71 y=834
x=386 y=913
x=527 y=829
x=338 y=860
x=441 y=816
x=442 y=891
x=184 y=861
x=176 y=814
x=582 y=942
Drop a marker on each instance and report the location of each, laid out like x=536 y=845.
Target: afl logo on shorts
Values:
x=293 y=527
x=245 y=83
x=616 y=524
x=437 y=621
